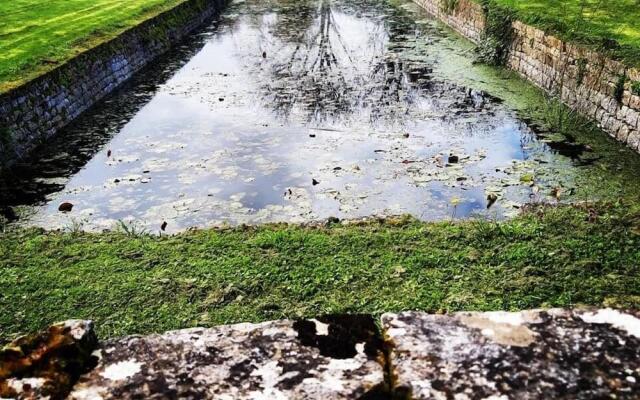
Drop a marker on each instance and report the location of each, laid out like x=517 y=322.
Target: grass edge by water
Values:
x=550 y=256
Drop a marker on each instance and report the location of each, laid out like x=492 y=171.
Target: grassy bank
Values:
x=137 y=284
x=36 y=36
x=603 y=25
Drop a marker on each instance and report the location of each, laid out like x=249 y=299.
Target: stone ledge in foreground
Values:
x=554 y=354
x=334 y=359
x=568 y=354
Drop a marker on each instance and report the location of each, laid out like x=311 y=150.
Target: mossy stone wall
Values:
x=36 y=111
x=598 y=87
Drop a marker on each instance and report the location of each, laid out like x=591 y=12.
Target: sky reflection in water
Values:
x=297 y=111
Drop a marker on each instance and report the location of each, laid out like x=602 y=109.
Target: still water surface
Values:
x=292 y=111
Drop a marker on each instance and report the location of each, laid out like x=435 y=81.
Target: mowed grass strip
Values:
x=36 y=35
x=594 y=23
x=549 y=257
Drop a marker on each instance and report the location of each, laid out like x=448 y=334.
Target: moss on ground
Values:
x=548 y=257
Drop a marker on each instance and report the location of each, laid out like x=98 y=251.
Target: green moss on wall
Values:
x=582 y=70
x=498 y=34
x=6 y=144
x=619 y=89
x=449 y=6
x=635 y=88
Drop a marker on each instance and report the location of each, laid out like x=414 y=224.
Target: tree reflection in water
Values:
x=334 y=68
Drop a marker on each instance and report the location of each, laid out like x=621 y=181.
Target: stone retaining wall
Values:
x=464 y=16
x=585 y=80
x=34 y=112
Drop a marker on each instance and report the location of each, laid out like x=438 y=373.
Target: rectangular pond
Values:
x=296 y=111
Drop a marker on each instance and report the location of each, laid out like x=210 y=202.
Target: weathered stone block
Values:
x=633 y=140
x=275 y=360
x=528 y=355
x=631 y=118
x=623 y=133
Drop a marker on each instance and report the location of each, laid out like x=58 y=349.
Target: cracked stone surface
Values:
x=552 y=354
x=334 y=359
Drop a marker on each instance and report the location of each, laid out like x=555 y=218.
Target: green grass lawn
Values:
x=138 y=284
x=591 y=22
x=37 y=35
x=547 y=257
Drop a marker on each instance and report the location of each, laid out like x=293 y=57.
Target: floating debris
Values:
x=397 y=136
x=65 y=207
x=491 y=199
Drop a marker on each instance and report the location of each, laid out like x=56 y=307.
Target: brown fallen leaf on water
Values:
x=65 y=207
x=491 y=199
x=163 y=227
